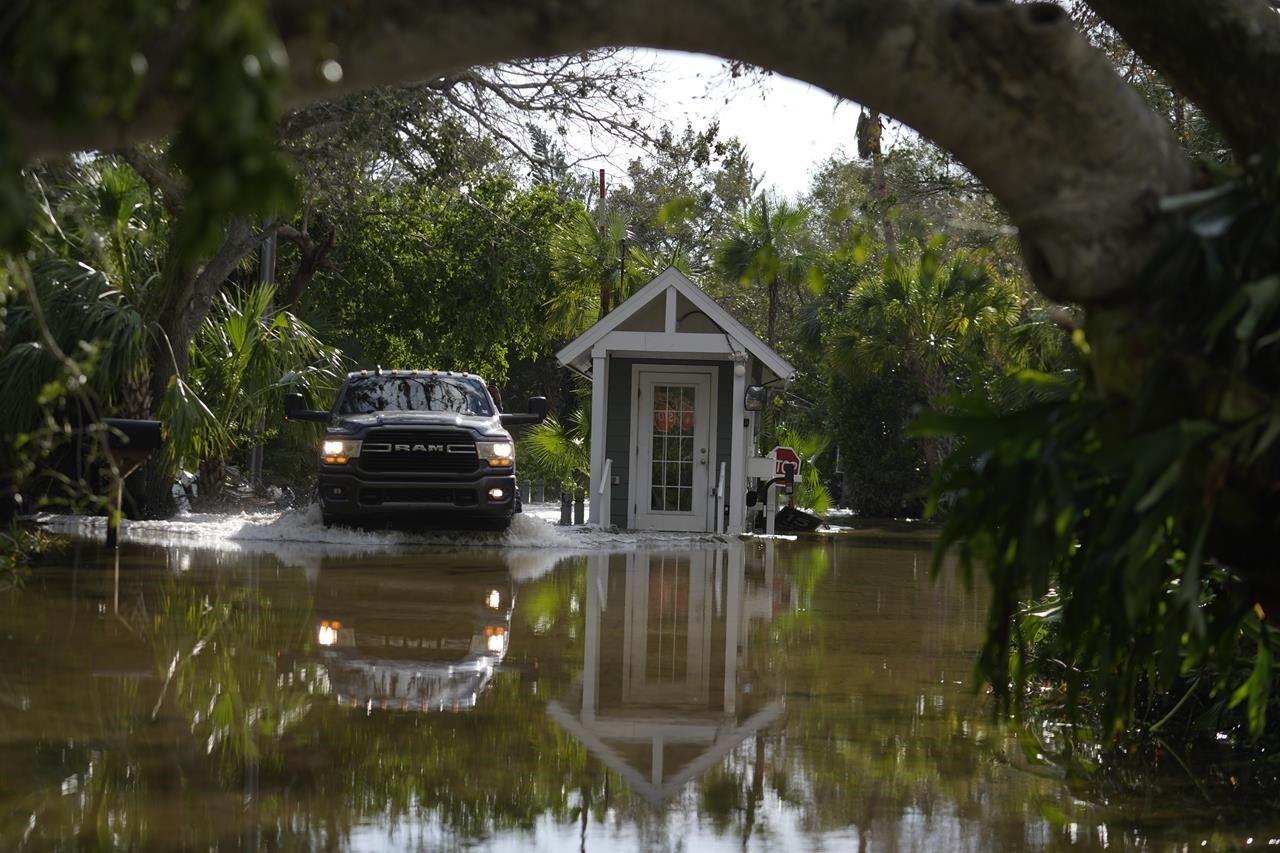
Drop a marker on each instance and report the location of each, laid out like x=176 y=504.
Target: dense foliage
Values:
x=441 y=224
x=442 y=278
x=1144 y=499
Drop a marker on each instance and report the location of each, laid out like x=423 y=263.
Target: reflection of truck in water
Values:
x=409 y=641
x=418 y=444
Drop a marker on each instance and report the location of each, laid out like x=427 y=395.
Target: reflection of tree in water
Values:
x=498 y=766
x=369 y=394
x=102 y=804
x=884 y=741
x=876 y=738
x=222 y=745
x=218 y=655
x=171 y=756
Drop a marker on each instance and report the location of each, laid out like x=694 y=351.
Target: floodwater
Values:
x=320 y=689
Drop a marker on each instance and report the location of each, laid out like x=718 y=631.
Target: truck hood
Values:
x=476 y=423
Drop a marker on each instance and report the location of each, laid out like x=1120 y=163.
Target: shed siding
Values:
x=618 y=425
x=617 y=437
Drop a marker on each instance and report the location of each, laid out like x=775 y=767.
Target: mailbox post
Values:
x=129 y=443
x=781 y=466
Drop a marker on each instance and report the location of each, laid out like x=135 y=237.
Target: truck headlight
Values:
x=338 y=451
x=327 y=633
x=499 y=454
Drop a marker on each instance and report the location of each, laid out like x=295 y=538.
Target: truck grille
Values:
x=416 y=495
x=419 y=452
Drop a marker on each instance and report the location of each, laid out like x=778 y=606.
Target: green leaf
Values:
x=1170 y=478
x=1041 y=379
x=1264 y=297
x=1056 y=816
x=676 y=210
x=1257 y=688
x=1268 y=437
x=1188 y=201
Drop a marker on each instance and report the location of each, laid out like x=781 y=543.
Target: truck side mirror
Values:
x=536 y=414
x=293 y=403
x=295 y=409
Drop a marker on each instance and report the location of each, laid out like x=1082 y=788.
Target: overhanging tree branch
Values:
x=1222 y=54
x=1043 y=120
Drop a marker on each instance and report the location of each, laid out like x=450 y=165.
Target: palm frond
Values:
x=559 y=451
x=248 y=354
x=191 y=430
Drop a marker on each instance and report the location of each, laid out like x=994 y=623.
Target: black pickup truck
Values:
x=416 y=445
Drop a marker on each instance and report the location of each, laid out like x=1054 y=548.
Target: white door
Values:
x=673 y=453
x=667 y=632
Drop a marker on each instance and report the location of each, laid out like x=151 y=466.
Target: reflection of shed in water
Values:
x=668 y=688
x=417 y=641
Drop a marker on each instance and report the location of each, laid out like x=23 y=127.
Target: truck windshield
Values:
x=431 y=393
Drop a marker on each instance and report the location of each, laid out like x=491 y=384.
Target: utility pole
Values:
x=773 y=279
x=267 y=275
x=605 y=293
x=871 y=147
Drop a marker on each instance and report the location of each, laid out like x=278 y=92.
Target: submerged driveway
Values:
x=221 y=682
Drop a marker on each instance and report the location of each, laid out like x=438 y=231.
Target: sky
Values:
x=788 y=127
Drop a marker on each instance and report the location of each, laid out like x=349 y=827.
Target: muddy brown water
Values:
x=750 y=695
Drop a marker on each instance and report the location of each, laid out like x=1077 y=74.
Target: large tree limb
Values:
x=170 y=186
x=1043 y=120
x=311 y=257
x=1222 y=54
x=188 y=296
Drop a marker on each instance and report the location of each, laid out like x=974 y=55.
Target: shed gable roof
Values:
x=579 y=350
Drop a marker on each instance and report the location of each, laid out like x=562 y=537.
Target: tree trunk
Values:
x=1068 y=147
x=773 y=311
x=136 y=402
x=188 y=296
x=870 y=134
x=212 y=478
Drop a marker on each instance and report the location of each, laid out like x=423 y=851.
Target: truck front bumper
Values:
x=345 y=495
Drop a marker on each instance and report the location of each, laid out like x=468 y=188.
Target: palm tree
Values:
x=809 y=490
x=594 y=268
x=101 y=216
x=93 y=297
x=561 y=451
x=246 y=356
x=76 y=309
x=944 y=323
x=767 y=252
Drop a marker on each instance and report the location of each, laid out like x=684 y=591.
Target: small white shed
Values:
x=670 y=428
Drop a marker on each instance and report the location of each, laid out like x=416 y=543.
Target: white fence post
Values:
x=604 y=494
x=719 y=526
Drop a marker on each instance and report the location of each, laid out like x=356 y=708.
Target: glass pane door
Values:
x=671 y=463
x=673 y=420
